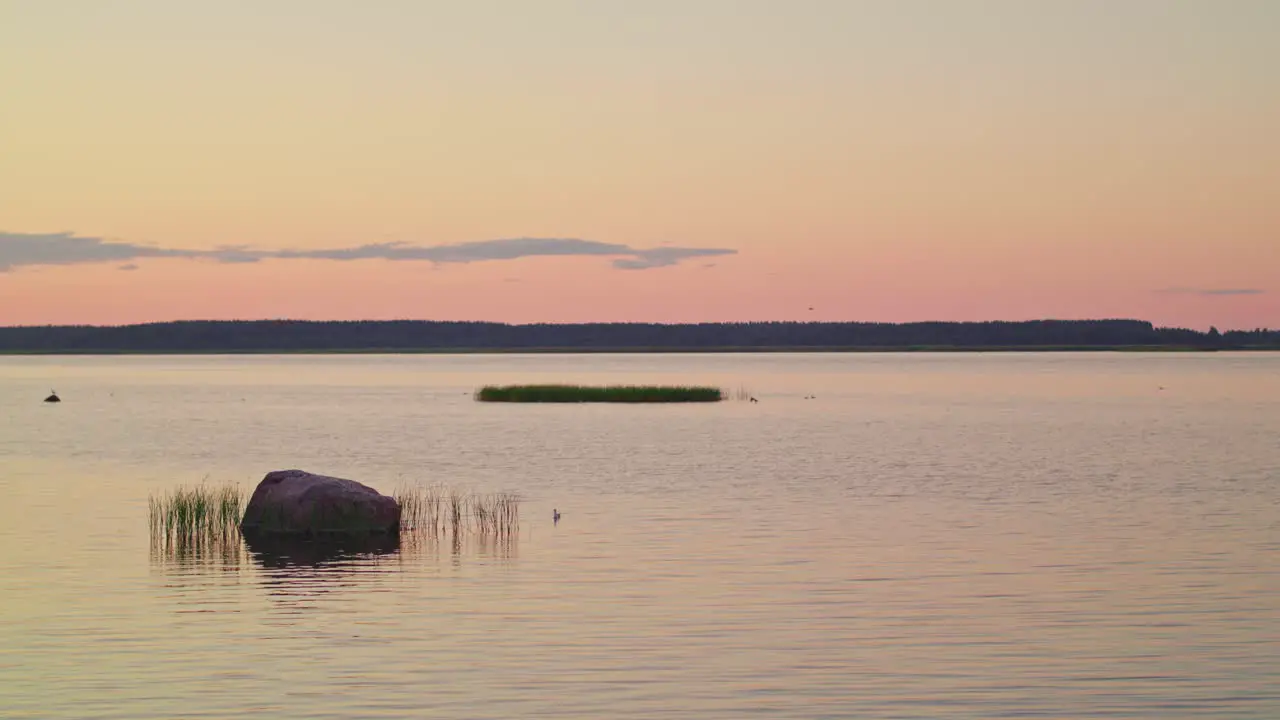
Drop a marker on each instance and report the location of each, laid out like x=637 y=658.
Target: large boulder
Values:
x=298 y=502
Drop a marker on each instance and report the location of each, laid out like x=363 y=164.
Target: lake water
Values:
x=929 y=536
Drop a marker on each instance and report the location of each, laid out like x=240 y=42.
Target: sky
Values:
x=665 y=161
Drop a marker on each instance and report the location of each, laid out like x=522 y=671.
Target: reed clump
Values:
x=442 y=510
x=606 y=393
x=194 y=517
x=202 y=522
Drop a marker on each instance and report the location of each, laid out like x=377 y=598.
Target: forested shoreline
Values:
x=285 y=336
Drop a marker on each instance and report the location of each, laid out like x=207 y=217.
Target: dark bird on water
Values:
x=53 y=397
x=555 y=515
x=754 y=400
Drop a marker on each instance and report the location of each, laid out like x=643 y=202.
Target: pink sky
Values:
x=1058 y=159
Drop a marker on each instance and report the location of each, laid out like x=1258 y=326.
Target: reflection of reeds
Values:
x=223 y=551
x=415 y=545
x=442 y=510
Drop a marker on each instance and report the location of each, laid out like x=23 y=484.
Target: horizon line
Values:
x=624 y=322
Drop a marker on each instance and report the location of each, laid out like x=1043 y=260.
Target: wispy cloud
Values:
x=26 y=249
x=626 y=257
x=1211 y=292
x=19 y=249
x=1233 y=291
x=664 y=256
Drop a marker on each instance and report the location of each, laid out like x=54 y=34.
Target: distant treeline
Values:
x=428 y=336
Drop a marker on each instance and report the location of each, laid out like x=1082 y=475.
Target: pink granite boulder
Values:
x=296 y=502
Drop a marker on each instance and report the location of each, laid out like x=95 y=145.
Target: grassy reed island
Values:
x=609 y=393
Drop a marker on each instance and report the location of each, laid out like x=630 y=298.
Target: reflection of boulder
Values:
x=286 y=551
x=295 y=502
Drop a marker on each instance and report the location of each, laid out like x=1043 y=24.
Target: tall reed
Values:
x=196 y=516
x=443 y=510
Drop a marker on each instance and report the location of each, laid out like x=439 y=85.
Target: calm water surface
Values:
x=931 y=536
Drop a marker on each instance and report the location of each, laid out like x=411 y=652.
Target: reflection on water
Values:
x=297 y=573
x=231 y=552
x=282 y=551
x=187 y=553
x=458 y=547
